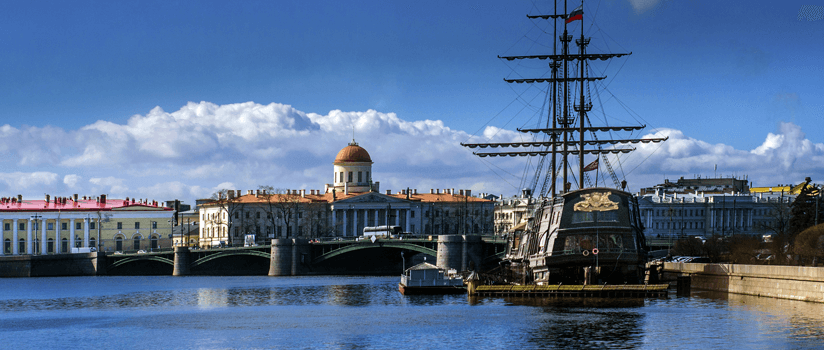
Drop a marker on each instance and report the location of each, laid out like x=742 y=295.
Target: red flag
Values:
x=591 y=166
x=576 y=14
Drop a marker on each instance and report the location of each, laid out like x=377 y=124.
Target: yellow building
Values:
x=71 y=224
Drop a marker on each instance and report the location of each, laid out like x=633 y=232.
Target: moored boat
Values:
x=425 y=278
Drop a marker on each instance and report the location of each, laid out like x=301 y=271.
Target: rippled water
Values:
x=368 y=312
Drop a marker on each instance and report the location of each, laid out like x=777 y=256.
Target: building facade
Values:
x=712 y=207
x=55 y=226
x=343 y=209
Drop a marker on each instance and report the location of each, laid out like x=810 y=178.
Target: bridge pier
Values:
x=181 y=267
x=100 y=263
x=289 y=257
x=457 y=251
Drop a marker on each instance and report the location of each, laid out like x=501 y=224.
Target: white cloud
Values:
x=185 y=153
x=71 y=180
x=25 y=181
x=642 y=5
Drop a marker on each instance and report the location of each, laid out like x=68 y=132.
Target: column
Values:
x=57 y=242
x=14 y=239
x=397 y=217
x=334 y=222
x=86 y=233
x=408 y=219
x=375 y=216
x=344 y=222
x=71 y=235
x=43 y=238
x=29 y=242
x=355 y=223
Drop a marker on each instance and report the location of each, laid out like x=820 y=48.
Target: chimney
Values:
x=468 y=193
x=388 y=192
x=346 y=188
x=249 y=192
x=431 y=191
x=452 y=191
x=438 y=191
x=48 y=198
x=230 y=194
x=415 y=191
x=75 y=197
x=303 y=193
x=461 y=192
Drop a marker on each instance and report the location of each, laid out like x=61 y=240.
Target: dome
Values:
x=353 y=154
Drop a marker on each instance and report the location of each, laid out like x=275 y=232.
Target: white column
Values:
x=29 y=242
x=355 y=223
x=344 y=222
x=86 y=233
x=57 y=236
x=43 y=238
x=408 y=219
x=14 y=239
x=397 y=217
x=71 y=235
x=334 y=222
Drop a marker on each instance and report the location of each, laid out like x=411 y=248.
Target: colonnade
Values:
x=40 y=223
x=378 y=217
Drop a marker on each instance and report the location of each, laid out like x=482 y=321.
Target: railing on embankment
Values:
x=786 y=282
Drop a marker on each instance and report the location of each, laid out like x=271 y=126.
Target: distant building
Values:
x=682 y=209
x=55 y=225
x=343 y=209
x=512 y=211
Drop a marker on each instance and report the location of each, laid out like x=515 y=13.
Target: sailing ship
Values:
x=586 y=235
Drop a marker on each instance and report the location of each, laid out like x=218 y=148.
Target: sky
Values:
x=174 y=99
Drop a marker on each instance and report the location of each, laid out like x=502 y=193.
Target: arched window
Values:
x=154 y=242
x=77 y=242
x=50 y=245
x=136 y=242
x=21 y=246
x=7 y=246
x=118 y=243
x=65 y=245
x=92 y=243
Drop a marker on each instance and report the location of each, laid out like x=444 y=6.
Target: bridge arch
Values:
x=132 y=259
x=229 y=253
x=355 y=247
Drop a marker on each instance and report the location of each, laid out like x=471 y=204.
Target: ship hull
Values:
x=431 y=290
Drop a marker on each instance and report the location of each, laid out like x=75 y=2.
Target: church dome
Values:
x=353 y=154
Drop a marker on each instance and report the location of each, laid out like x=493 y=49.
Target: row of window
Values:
x=21 y=226
x=21 y=247
x=350 y=177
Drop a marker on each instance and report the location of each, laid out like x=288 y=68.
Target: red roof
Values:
x=353 y=154
x=81 y=205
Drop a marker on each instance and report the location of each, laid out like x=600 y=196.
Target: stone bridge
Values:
x=292 y=257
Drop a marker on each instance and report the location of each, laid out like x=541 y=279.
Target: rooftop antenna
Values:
x=353 y=136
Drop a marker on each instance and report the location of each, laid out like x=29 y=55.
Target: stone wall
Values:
x=50 y=265
x=786 y=282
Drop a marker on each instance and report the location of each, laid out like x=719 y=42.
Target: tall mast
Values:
x=565 y=122
x=554 y=100
x=581 y=110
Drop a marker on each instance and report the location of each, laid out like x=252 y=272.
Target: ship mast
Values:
x=567 y=129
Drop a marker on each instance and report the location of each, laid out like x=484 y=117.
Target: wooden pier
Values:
x=579 y=291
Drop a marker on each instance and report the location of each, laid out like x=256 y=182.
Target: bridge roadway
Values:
x=292 y=257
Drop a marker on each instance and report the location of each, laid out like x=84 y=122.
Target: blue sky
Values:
x=737 y=85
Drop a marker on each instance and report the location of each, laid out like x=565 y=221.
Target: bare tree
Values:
x=282 y=204
x=228 y=206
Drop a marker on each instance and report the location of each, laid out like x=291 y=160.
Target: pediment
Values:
x=372 y=197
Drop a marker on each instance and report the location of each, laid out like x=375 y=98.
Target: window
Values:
x=137 y=225
x=367 y=176
x=7 y=246
x=50 y=226
x=119 y=225
x=50 y=245
x=64 y=226
x=257 y=215
x=350 y=177
x=154 y=225
x=237 y=215
x=78 y=226
x=92 y=226
x=137 y=243
x=7 y=226
x=21 y=226
x=21 y=246
x=64 y=245
x=92 y=242
x=118 y=243
x=154 y=242
x=248 y=215
x=412 y=214
x=360 y=176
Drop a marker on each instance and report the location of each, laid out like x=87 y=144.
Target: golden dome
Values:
x=353 y=154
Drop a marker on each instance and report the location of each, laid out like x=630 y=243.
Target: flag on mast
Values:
x=591 y=166
x=576 y=14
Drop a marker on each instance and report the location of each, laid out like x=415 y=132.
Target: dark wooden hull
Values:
x=406 y=290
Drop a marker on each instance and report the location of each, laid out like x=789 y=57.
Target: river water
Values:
x=330 y=312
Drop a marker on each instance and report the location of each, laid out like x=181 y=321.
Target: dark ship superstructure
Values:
x=587 y=235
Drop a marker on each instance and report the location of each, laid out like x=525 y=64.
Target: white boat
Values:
x=425 y=278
